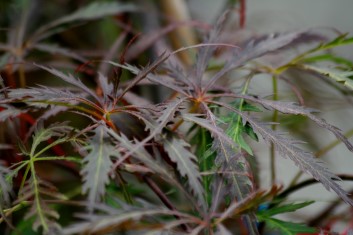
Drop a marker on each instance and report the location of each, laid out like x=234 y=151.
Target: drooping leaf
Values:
x=186 y=165
x=303 y=159
x=293 y=108
x=259 y=47
x=344 y=77
x=97 y=166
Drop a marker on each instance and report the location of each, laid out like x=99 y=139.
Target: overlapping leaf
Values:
x=293 y=108
x=229 y=160
x=70 y=79
x=104 y=223
x=97 y=165
x=259 y=47
x=186 y=165
x=9 y=111
x=139 y=153
x=45 y=216
x=304 y=160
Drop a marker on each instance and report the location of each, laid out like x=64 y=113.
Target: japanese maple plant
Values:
x=86 y=150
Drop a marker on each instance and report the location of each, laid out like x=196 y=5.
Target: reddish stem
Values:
x=242 y=13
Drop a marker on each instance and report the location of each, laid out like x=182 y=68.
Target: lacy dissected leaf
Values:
x=97 y=165
x=344 y=77
x=304 y=160
x=155 y=127
x=230 y=160
x=259 y=47
x=107 y=87
x=45 y=216
x=143 y=73
x=235 y=167
x=8 y=111
x=103 y=223
x=177 y=74
x=293 y=108
x=289 y=148
x=42 y=134
x=236 y=127
x=186 y=165
x=209 y=125
x=236 y=178
x=70 y=79
x=167 y=113
x=140 y=154
x=41 y=95
x=205 y=53
x=162 y=80
x=5 y=187
x=52 y=111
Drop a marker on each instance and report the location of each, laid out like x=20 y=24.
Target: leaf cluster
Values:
x=185 y=164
